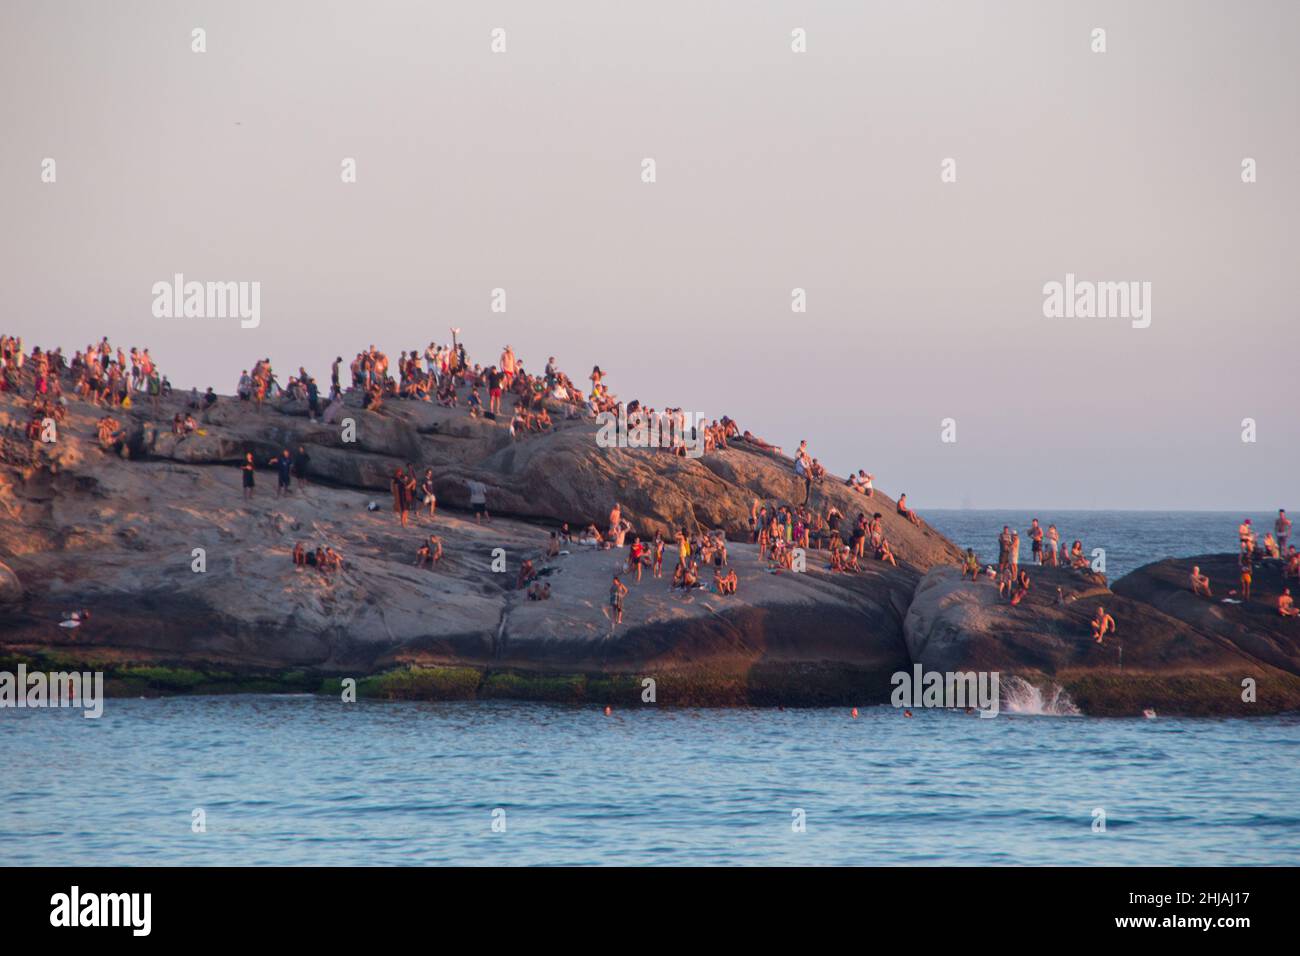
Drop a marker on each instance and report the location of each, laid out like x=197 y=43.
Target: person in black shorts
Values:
x=248 y=468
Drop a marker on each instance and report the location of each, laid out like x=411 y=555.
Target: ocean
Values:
x=311 y=780
x=1129 y=538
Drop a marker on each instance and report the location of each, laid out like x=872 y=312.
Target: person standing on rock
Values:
x=283 y=463
x=401 y=495
x=248 y=469
x=1246 y=562
x=1014 y=554
x=300 y=461
x=478 y=500
x=1036 y=541
x=615 y=517
x=617 y=591
x=1053 y=542
x=1282 y=528
x=430 y=496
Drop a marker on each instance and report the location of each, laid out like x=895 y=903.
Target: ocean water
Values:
x=1130 y=538
x=310 y=780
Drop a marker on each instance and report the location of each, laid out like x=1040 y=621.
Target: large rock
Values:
x=1153 y=661
x=1254 y=628
x=118 y=536
x=11 y=591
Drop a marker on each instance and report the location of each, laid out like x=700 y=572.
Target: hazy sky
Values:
x=775 y=170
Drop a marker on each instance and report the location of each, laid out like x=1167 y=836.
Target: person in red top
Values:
x=636 y=558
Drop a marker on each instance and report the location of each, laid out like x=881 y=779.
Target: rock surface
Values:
x=116 y=534
x=1155 y=660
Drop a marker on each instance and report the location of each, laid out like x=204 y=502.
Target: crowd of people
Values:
x=1274 y=552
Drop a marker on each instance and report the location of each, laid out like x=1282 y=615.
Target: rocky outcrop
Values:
x=176 y=568
x=155 y=539
x=1154 y=660
x=1253 y=628
x=11 y=591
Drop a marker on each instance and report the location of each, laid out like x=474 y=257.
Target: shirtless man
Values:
x=907 y=512
x=1036 y=541
x=1102 y=624
x=1282 y=528
x=1286 y=605
x=1200 y=583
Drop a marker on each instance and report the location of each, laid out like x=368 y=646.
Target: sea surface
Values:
x=310 y=780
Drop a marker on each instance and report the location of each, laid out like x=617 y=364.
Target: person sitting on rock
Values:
x=886 y=553
x=970 y=565
x=837 y=558
x=1291 y=569
x=1021 y=590
x=1270 y=546
x=1200 y=583
x=724 y=583
x=1102 y=624
x=430 y=552
x=553 y=546
x=907 y=512
x=1077 y=560
x=1005 y=581
x=527 y=574
x=851 y=561
x=539 y=591
x=692 y=576
x=1286 y=605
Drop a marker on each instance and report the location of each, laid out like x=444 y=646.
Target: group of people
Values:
x=1274 y=551
x=323 y=558
x=1014 y=582
x=779 y=529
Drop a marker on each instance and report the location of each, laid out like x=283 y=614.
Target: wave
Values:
x=1019 y=696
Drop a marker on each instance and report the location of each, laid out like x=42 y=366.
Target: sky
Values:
x=775 y=170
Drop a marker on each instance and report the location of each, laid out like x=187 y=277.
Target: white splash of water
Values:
x=1021 y=697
